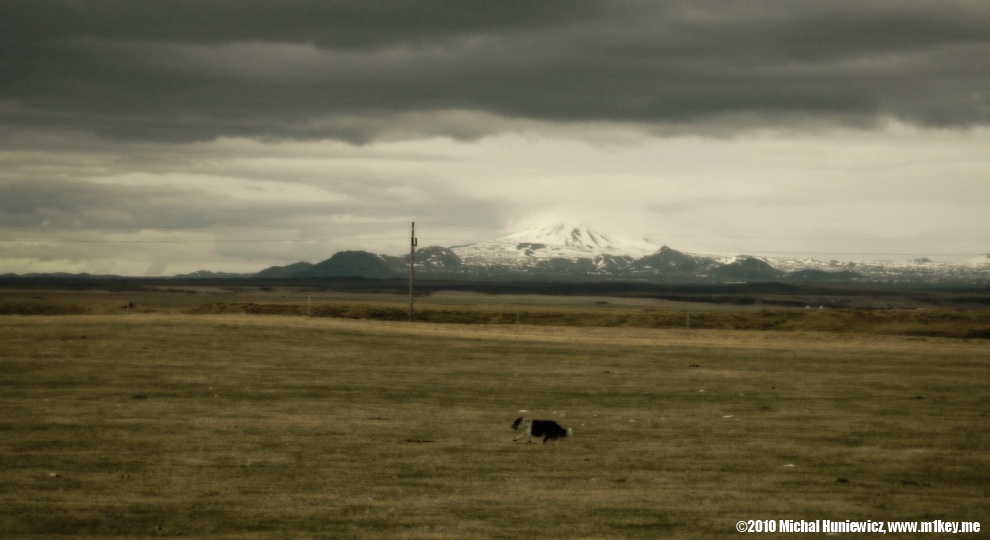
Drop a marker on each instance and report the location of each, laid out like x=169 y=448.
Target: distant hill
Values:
x=436 y=257
x=747 y=269
x=668 y=260
x=352 y=264
x=288 y=271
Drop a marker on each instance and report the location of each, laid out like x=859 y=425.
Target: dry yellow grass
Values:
x=259 y=426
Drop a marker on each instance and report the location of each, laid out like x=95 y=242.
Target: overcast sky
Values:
x=154 y=138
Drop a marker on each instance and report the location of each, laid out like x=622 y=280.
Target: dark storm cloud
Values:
x=361 y=70
x=332 y=24
x=49 y=203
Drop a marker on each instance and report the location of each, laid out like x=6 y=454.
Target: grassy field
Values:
x=538 y=310
x=150 y=422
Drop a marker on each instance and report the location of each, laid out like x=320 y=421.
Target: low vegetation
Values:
x=470 y=309
x=954 y=323
x=205 y=420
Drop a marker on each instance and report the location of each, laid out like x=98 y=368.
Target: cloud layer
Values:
x=358 y=71
x=146 y=137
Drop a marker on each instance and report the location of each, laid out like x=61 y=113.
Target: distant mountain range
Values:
x=576 y=253
x=571 y=253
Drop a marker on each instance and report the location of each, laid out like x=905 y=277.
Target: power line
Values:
x=870 y=253
x=825 y=239
x=215 y=241
x=188 y=227
x=728 y=237
x=41 y=228
x=458 y=241
x=337 y=239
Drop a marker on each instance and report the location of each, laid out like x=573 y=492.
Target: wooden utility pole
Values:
x=412 y=264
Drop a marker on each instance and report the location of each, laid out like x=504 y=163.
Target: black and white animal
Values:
x=548 y=429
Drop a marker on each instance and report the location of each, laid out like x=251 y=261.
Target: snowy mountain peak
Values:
x=556 y=241
x=563 y=235
x=582 y=238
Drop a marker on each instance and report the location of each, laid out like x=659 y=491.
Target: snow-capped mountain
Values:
x=567 y=252
x=555 y=242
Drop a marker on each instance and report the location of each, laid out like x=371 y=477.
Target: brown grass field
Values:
x=213 y=414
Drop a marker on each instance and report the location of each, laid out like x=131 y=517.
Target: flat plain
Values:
x=235 y=415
